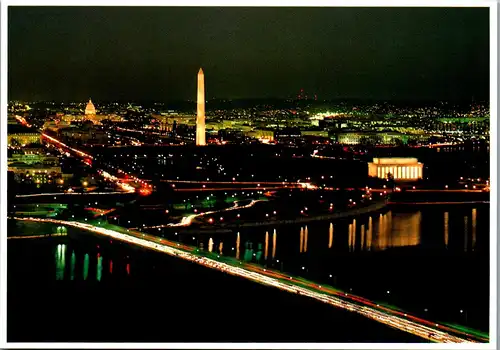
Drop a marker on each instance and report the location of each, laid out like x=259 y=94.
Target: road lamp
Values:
x=462 y=311
x=281 y=264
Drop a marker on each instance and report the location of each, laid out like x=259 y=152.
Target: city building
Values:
x=262 y=135
x=362 y=137
x=90 y=109
x=87 y=133
x=55 y=125
x=40 y=173
x=62 y=120
x=288 y=133
x=91 y=113
x=200 y=115
x=32 y=158
x=400 y=168
x=20 y=136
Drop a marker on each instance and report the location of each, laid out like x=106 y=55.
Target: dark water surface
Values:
x=434 y=261
x=87 y=290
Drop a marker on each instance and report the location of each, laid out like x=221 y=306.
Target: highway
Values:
x=228 y=189
x=86 y=158
x=393 y=318
x=233 y=182
x=66 y=194
x=61 y=144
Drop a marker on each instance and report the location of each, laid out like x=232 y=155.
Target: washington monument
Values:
x=200 y=116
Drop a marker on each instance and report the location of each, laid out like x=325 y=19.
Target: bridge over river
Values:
x=387 y=315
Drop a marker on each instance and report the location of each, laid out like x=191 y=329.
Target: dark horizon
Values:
x=153 y=54
x=270 y=100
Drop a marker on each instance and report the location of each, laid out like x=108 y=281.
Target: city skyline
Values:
x=163 y=164
x=334 y=53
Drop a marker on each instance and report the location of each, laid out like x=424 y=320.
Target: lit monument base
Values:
x=400 y=168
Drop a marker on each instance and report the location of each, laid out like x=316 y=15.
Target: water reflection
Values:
x=446 y=228
x=301 y=239
x=369 y=234
x=210 y=244
x=404 y=232
x=99 y=267
x=474 y=223
x=330 y=235
x=349 y=241
x=466 y=232
x=258 y=255
x=86 y=261
x=83 y=266
x=380 y=225
x=353 y=234
x=60 y=261
x=362 y=237
x=238 y=245
x=306 y=233
x=274 y=243
x=266 y=245
x=73 y=264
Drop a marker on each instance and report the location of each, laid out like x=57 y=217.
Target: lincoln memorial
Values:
x=400 y=168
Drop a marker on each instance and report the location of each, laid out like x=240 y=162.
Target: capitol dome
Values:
x=90 y=109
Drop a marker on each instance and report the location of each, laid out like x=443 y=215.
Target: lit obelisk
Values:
x=200 y=116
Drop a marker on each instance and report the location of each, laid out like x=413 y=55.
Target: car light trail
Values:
x=80 y=153
x=231 y=182
x=87 y=159
x=22 y=121
x=66 y=194
x=126 y=187
x=383 y=315
x=232 y=188
x=188 y=220
x=38 y=236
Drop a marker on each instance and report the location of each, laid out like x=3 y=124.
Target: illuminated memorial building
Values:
x=400 y=168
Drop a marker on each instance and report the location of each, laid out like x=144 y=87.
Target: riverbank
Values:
x=229 y=228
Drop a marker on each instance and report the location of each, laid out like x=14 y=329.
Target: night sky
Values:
x=73 y=53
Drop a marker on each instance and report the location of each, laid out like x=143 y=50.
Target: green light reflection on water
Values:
x=99 y=268
x=86 y=267
x=60 y=256
x=73 y=263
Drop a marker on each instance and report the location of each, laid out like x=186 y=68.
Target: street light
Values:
x=464 y=312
